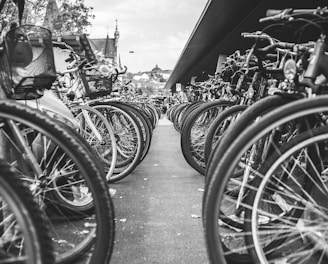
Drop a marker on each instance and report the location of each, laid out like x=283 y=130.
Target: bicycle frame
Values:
x=317 y=65
x=76 y=87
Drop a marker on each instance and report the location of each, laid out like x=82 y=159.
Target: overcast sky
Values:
x=155 y=30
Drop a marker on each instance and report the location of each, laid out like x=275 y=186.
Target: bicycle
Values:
x=24 y=232
x=92 y=125
x=270 y=122
x=130 y=129
x=60 y=171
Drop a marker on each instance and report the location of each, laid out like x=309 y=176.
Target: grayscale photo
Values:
x=164 y=132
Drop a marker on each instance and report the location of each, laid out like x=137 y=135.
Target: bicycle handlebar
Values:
x=122 y=71
x=78 y=66
x=275 y=15
x=281 y=45
x=273 y=12
x=119 y=72
x=287 y=46
x=287 y=14
x=258 y=35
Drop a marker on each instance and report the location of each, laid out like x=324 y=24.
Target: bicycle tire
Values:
x=30 y=231
x=178 y=114
x=145 y=124
x=299 y=187
x=192 y=154
x=216 y=186
x=248 y=116
x=124 y=164
x=214 y=128
x=100 y=235
x=104 y=144
x=186 y=111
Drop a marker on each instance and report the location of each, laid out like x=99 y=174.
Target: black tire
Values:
x=179 y=113
x=215 y=132
x=62 y=153
x=283 y=176
x=145 y=124
x=186 y=111
x=124 y=165
x=248 y=116
x=228 y=161
x=23 y=221
x=105 y=146
x=195 y=156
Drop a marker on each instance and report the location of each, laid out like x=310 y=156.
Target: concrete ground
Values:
x=158 y=207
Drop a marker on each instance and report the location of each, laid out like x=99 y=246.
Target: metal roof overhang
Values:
x=218 y=32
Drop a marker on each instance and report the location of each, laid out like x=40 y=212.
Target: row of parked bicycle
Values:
x=262 y=146
x=63 y=139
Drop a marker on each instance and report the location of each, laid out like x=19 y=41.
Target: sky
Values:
x=152 y=32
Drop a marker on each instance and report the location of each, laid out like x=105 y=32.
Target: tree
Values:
x=34 y=12
x=8 y=14
x=72 y=17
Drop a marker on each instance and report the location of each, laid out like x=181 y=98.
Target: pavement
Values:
x=158 y=207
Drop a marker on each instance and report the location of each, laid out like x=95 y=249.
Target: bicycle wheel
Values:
x=218 y=248
x=218 y=127
x=144 y=122
x=64 y=179
x=98 y=132
x=129 y=139
x=155 y=112
x=181 y=111
x=289 y=212
x=194 y=130
x=249 y=115
x=24 y=233
x=185 y=111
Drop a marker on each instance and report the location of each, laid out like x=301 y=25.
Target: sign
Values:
x=178 y=87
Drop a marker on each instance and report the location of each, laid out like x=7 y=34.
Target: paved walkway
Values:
x=158 y=207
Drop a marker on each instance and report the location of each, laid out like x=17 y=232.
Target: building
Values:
x=150 y=82
x=51 y=14
x=107 y=47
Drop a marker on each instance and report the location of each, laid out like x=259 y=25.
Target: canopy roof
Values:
x=218 y=31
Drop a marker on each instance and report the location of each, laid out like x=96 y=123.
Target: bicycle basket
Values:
x=27 y=64
x=97 y=85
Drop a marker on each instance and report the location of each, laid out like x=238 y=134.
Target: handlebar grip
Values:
x=264 y=19
x=276 y=14
x=248 y=35
x=273 y=12
x=124 y=71
x=115 y=76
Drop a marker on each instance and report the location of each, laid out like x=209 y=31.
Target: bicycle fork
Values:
x=91 y=125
